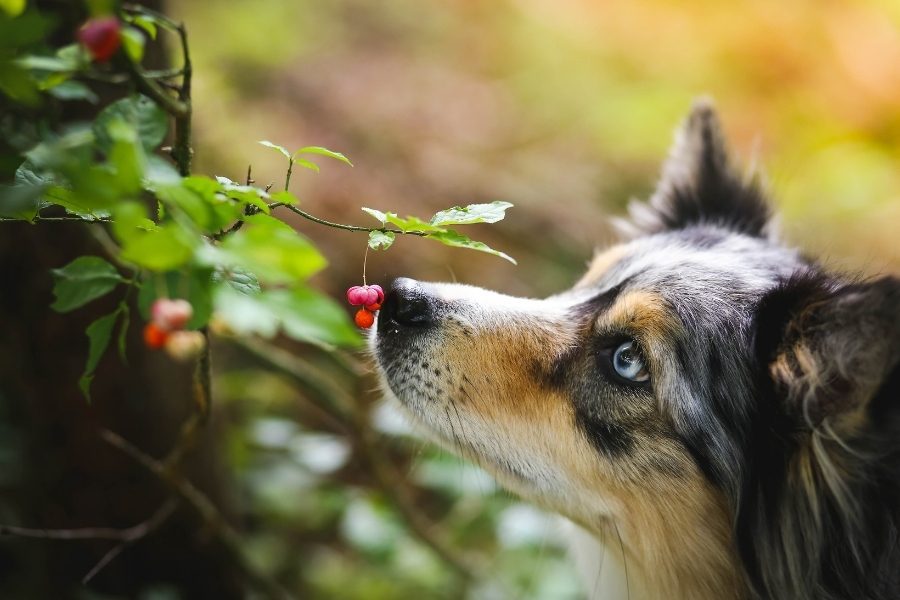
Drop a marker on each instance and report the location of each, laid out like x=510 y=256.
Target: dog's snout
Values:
x=407 y=304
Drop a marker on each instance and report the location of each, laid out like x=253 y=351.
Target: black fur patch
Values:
x=607 y=437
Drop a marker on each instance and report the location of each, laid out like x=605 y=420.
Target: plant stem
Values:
x=287 y=178
x=315 y=219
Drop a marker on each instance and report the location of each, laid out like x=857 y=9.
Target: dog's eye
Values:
x=628 y=363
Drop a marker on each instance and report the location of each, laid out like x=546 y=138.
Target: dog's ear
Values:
x=828 y=347
x=698 y=185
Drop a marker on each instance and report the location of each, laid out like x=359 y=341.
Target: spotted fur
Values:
x=761 y=460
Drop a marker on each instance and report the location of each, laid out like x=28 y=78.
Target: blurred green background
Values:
x=565 y=108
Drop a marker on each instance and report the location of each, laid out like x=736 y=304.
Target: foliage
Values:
x=247 y=269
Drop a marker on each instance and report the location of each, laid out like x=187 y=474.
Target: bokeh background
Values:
x=564 y=108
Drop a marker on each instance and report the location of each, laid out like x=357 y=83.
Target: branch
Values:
x=205 y=509
x=315 y=219
x=94 y=533
x=357 y=428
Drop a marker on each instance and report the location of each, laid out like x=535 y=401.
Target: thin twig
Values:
x=136 y=533
x=357 y=427
x=315 y=219
x=93 y=533
x=205 y=509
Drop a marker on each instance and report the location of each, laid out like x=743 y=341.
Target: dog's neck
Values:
x=614 y=567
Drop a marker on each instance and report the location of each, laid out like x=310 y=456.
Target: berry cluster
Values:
x=166 y=329
x=369 y=297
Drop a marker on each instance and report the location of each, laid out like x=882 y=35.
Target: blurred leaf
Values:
x=309 y=316
x=269 y=248
x=285 y=197
x=452 y=238
x=240 y=279
x=165 y=248
x=123 y=331
x=133 y=43
x=149 y=120
x=99 y=333
x=82 y=280
x=381 y=240
x=306 y=164
x=473 y=213
x=73 y=90
x=146 y=23
x=303 y=314
x=21 y=201
x=12 y=8
x=322 y=151
x=280 y=149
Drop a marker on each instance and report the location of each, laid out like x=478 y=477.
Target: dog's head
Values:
x=648 y=397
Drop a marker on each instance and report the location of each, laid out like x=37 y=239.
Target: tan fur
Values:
x=600 y=264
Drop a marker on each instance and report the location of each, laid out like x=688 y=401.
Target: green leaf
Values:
x=21 y=200
x=301 y=313
x=133 y=43
x=82 y=280
x=381 y=240
x=473 y=213
x=123 y=331
x=150 y=121
x=306 y=164
x=323 y=152
x=163 y=249
x=380 y=216
x=308 y=316
x=99 y=333
x=452 y=238
x=12 y=8
x=280 y=149
x=73 y=90
x=240 y=279
x=285 y=197
x=145 y=23
x=268 y=247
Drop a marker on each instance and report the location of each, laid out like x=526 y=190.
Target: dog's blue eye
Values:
x=628 y=363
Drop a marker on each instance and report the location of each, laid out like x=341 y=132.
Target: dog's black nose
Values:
x=407 y=304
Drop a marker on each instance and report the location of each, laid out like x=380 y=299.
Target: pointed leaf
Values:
x=82 y=280
x=306 y=164
x=99 y=333
x=281 y=149
x=453 y=238
x=382 y=217
x=323 y=152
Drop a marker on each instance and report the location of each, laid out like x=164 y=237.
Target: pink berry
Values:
x=171 y=315
x=357 y=295
x=380 y=291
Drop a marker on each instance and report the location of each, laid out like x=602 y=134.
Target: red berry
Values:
x=101 y=37
x=373 y=307
x=154 y=337
x=364 y=318
x=171 y=315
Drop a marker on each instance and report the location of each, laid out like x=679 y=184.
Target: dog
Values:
x=715 y=409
